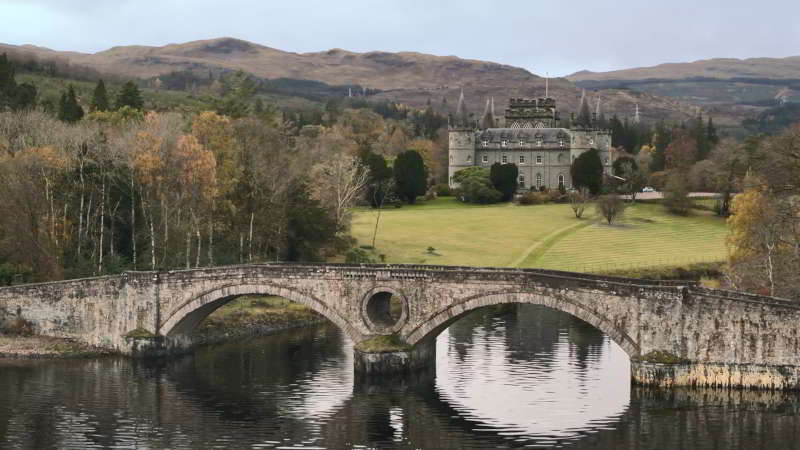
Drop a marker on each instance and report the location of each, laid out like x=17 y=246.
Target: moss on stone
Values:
x=385 y=343
x=140 y=333
x=662 y=357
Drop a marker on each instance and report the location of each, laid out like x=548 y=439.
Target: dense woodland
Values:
x=101 y=184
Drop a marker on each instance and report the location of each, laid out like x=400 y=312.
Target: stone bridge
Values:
x=676 y=333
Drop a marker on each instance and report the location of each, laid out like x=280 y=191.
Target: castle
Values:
x=528 y=136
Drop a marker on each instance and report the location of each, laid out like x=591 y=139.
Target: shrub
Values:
x=578 y=200
x=357 y=256
x=479 y=190
x=443 y=190
x=610 y=207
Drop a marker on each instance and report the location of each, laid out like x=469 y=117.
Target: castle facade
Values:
x=529 y=136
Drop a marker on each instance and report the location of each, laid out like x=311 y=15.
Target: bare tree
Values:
x=578 y=201
x=610 y=207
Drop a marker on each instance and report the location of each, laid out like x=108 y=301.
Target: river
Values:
x=520 y=376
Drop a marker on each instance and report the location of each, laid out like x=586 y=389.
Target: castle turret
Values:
x=461 y=141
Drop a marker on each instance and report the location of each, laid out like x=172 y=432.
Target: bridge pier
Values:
x=368 y=364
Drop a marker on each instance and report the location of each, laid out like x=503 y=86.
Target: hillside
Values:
x=407 y=77
x=722 y=87
x=720 y=68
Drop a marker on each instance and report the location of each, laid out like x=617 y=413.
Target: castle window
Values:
x=504 y=143
x=485 y=158
x=538 y=180
x=605 y=161
x=469 y=158
x=521 y=142
x=561 y=142
x=522 y=159
x=504 y=159
x=538 y=159
x=561 y=181
x=522 y=181
x=485 y=143
x=591 y=141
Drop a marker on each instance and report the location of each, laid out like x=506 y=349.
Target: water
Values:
x=525 y=376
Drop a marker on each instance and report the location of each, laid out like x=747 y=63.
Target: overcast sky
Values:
x=556 y=37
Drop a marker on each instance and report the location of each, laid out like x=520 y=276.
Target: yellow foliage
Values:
x=751 y=210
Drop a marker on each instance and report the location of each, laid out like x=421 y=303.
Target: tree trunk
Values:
x=102 y=226
x=199 y=245
x=211 y=244
x=133 y=221
x=188 y=249
x=152 y=243
x=250 y=239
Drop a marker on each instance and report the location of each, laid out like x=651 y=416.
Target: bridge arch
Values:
x=440 y=321
x=178 y=324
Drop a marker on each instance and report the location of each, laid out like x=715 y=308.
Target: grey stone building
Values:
x=529 y=136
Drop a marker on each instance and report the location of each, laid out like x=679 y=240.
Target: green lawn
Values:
x=546 y=236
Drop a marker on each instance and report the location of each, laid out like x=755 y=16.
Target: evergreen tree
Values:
x=380 y=175
x=698 y=132
x=587 y=171
x=130 y=96
x=504 y=179
x=24 y=97
x=661 y=140
x=7 y=83
x=410 y=175
x=14 y=96
x=100 y=98
x=711 y=133
x=68 y=108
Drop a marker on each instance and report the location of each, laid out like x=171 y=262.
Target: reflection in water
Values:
x=532 y=372
x=510 y=377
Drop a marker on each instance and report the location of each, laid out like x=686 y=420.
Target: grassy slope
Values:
x=545 y=236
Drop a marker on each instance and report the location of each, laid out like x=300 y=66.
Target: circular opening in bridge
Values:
x=384 y=308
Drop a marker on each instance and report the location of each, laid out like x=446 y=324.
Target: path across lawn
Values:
x=547 y=236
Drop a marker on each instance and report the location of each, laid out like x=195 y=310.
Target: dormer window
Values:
x=561 y=143
x=521 y=142
x=538 y=142
x=503 y=143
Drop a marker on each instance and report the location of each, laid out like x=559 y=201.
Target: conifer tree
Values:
x=7 y=83
x=100 y=97
x=410 y=175
x=68 y=108
x=711 y=133
x=587 y=171
x=130 y=96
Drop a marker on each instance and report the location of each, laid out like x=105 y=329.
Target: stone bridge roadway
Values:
x=676 y=333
